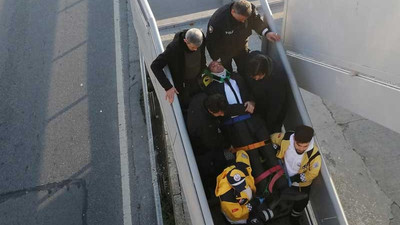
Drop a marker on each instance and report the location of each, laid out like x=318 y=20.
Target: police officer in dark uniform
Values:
x=228 y=31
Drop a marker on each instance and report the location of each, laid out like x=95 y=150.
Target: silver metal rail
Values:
x=151 y=46
x=327 y=181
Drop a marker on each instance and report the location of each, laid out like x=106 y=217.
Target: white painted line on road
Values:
x=123 y=140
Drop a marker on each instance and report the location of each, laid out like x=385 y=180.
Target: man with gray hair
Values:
x=228 y=31
x=185 y=57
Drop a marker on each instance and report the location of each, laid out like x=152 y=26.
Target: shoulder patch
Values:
x=206 y=80
x=316 y=165
x=210 y=29
x=236 y=177
x=244 y=156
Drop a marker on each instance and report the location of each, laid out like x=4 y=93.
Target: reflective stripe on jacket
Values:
x=234 y=212
x=309 y=168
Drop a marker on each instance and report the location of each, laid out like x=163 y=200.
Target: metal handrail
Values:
x=304 y=114
x=153 y=164
x=154 y=38
x=152 y=31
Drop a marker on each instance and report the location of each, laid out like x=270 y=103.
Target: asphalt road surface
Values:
x=60 y=151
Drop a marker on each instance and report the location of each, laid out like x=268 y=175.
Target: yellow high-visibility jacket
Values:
x=310 y=168
x=230 y=207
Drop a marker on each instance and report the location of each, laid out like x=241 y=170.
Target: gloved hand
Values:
x=253 y=204
x=295 y=178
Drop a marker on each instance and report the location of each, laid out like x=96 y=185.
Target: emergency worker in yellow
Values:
x=302 y=161
x=236 y=189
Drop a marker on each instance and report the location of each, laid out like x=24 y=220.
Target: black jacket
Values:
x=203 y=128
x=226 y=37
x=244 y=132
x=270 y=95
x=174 y=57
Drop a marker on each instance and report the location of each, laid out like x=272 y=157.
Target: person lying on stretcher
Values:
x=241 y=129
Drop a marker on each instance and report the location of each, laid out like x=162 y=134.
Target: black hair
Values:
x=259 y=64
x=216 y=103
x=303 y=134
x=243 y=8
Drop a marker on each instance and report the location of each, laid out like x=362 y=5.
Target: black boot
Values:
x=295 y=218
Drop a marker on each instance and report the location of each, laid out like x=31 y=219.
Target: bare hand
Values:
x=271 y=36
x=169 y=95
x=250 y=105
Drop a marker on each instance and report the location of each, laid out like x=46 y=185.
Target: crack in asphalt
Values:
x=50 y=188
x=345 y=126
x=394 y=207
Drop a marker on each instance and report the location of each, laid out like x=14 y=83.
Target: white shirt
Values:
x=293 y=159
x=230 y=96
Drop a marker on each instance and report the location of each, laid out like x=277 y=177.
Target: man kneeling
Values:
x=302 y=161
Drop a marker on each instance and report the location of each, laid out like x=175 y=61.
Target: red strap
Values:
x=268 y=172
x=274 y=179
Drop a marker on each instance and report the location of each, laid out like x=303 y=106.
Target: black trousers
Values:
x=268 y=155
x=271 y=97
x=277 y=104
x=189 y=89
x=298 y=206
x=248 y=132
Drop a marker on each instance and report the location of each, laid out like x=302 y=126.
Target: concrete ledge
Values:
x=181 y=215
x=200 y=16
